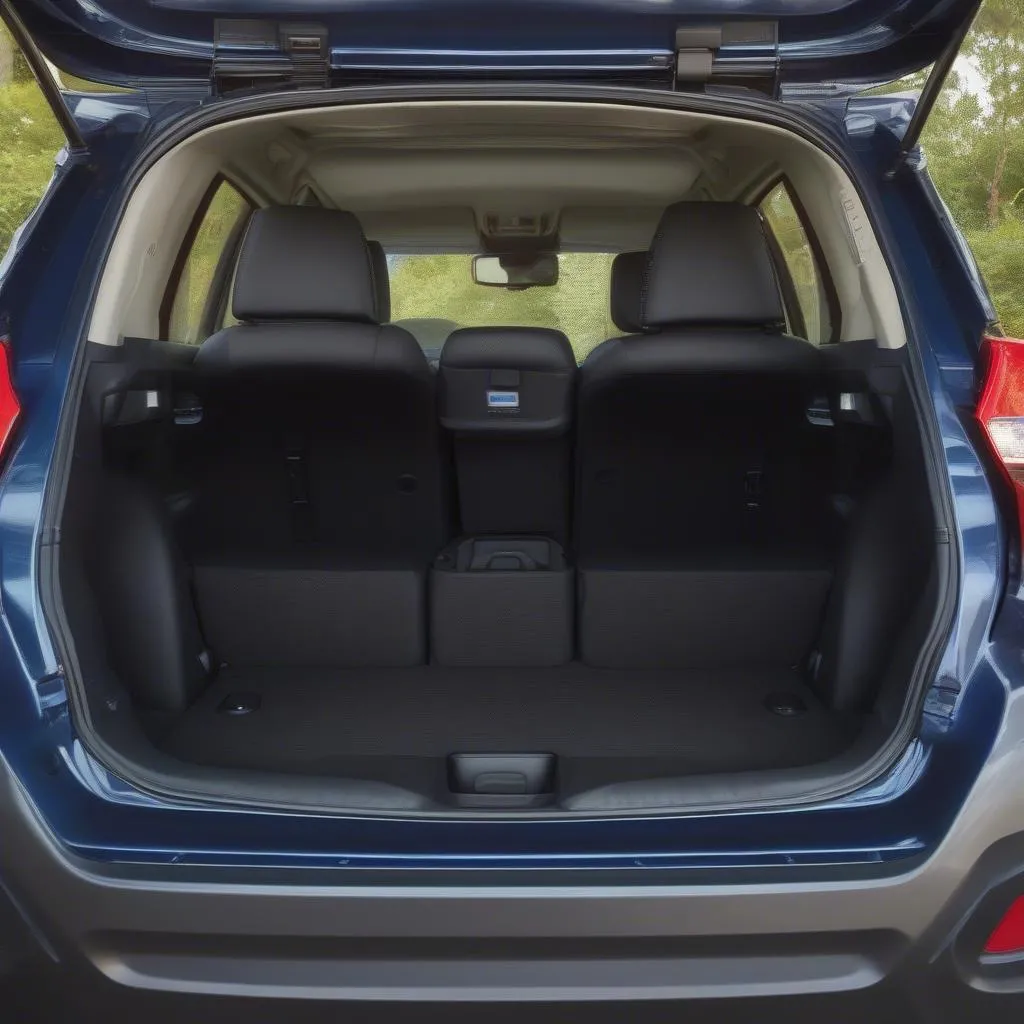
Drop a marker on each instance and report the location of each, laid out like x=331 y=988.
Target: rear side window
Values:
x=803 y=285
x=196 y=297
x=30 y=139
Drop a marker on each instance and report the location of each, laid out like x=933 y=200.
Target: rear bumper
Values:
x=135 y=940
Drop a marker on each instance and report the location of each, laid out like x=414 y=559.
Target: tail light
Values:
x=1001 y=414
x=1001 y=411
x=10 y=407
x=1008 y=936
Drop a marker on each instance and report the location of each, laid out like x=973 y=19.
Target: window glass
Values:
x=436 y=294
x=208 y=247
x=804 y=294
x=30 y=139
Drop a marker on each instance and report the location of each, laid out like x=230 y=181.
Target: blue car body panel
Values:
x=45 y=295
x=818 y=40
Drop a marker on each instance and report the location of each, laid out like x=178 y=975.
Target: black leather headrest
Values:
x=710 y=264
x=381 y=281
x=507 y=348
x=304 y=263
x=626 y=286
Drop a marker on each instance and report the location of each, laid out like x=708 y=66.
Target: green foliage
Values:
x=30 y=138
x=1000 y=253
x=974 y=142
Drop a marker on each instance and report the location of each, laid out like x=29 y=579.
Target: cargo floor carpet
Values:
x=397 y=725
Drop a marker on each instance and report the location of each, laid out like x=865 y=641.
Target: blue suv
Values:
x=505 y=510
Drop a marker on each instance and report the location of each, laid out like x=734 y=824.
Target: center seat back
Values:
x=506 y=396
x=702 y=519
x=504 y=594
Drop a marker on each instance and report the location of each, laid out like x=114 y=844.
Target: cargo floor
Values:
x=605 y=725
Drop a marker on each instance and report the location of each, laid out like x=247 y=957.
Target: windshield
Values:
x=433 y=295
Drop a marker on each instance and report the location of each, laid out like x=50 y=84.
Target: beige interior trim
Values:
x=376 y=159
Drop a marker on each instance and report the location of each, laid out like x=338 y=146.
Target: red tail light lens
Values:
x=1001 y=410
x=1009 y=934
x=10 y=407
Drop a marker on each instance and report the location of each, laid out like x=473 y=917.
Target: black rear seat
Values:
x=507 y=394
x=702 y=488
x=503 y=594
x=700 y=492
x=318 y=472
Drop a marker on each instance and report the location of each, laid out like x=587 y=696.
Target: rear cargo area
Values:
x=606 y=725
x=312 y=551
x=510 y=671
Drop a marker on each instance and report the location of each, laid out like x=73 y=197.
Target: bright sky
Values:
x=972 y=79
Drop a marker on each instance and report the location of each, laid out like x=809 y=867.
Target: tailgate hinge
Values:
x=741 y=54
x=249 y=54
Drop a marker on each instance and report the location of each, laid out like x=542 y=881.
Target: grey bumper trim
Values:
x=481 y=942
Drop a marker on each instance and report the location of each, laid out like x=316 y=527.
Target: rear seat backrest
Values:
x=683 y=428
x=310 y=394
x=504 y=594
x=507 y=396
x=319 y=443
x=696 y=458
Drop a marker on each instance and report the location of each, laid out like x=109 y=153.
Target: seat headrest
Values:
x=626 y=287
x=508 y=348
x=305 y=263
x=710 y=264
x=381 y=281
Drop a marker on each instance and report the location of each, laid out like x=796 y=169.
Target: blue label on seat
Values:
x=502 y=399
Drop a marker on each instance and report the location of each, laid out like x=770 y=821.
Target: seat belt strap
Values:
x=298 y=490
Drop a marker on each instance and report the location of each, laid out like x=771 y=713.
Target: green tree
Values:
x=974 y=138
x=1000 y=255
x=30 y=138
x=997 y=48
x=974 y=142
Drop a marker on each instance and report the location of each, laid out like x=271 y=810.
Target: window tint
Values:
x=436 y=294
x=806 y=301
x=198 y=285
x=30 y=138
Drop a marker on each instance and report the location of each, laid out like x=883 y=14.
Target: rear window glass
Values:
x=803 y=288
x=192 y=304
x=435 y=294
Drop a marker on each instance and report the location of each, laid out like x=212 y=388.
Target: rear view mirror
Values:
x=510 y=271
